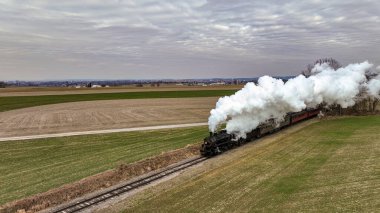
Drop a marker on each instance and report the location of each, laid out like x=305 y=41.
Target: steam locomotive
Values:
x=221 y=141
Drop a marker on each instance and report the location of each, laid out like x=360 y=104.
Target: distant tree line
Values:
x=2 y=84
x=155 y=84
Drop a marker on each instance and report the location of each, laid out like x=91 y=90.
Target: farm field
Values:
x=100 y=115
x=328 y=166
x=33 y=166
x=18 y=102
x=38 y=91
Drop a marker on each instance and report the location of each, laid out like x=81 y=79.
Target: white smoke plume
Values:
x=272 y=98
x=373 y=85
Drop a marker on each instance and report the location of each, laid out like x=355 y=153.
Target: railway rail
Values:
x=88 y=202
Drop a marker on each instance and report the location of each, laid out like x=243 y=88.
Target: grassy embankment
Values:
x=330 y=166
x=30 y=167
x=17 y=102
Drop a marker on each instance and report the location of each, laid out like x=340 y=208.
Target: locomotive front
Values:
x=208 y=145
x=215 y=143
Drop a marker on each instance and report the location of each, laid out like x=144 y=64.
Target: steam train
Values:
x=221 y=141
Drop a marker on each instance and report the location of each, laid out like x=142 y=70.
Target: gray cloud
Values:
x=181 y=39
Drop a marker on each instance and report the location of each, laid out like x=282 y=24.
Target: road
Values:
x=66 y=134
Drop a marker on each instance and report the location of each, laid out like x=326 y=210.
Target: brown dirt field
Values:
x=35 y=91
x=99 y=115
x=100 y=181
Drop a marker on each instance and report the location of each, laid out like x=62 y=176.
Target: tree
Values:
x=330 y=61
x=2 y=84
x=372 y=101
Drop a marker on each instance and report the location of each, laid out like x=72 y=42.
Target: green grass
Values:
x=330 y=166
x=17 y=102
x=33 y=166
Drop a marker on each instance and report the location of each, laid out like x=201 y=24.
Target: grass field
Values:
x=330 y=166
x=30 y=167
x=17 y=102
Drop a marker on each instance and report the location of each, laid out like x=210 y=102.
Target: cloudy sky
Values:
x=135 y=39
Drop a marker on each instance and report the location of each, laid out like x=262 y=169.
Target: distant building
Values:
x=218 y=83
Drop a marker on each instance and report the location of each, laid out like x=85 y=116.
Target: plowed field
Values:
x=99 y=115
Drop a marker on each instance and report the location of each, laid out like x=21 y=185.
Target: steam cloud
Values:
x=374 y=87
x=272 y=98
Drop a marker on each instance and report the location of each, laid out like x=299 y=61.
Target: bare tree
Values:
x=369 y=74
x=372 y=101
x=330 y=61
x=374 y=105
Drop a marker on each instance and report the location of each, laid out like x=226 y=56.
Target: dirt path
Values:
x=104 y=115
x=30 y=137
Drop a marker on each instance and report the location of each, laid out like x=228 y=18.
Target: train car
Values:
x=285 y=122
x=313 y=112
x=298 y=116
x=272 y=126
x=266 y=128
x=303 y=115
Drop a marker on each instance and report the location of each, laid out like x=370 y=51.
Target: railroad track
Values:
x=86 y=203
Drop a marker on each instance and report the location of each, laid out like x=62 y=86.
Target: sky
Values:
x=139 y=39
